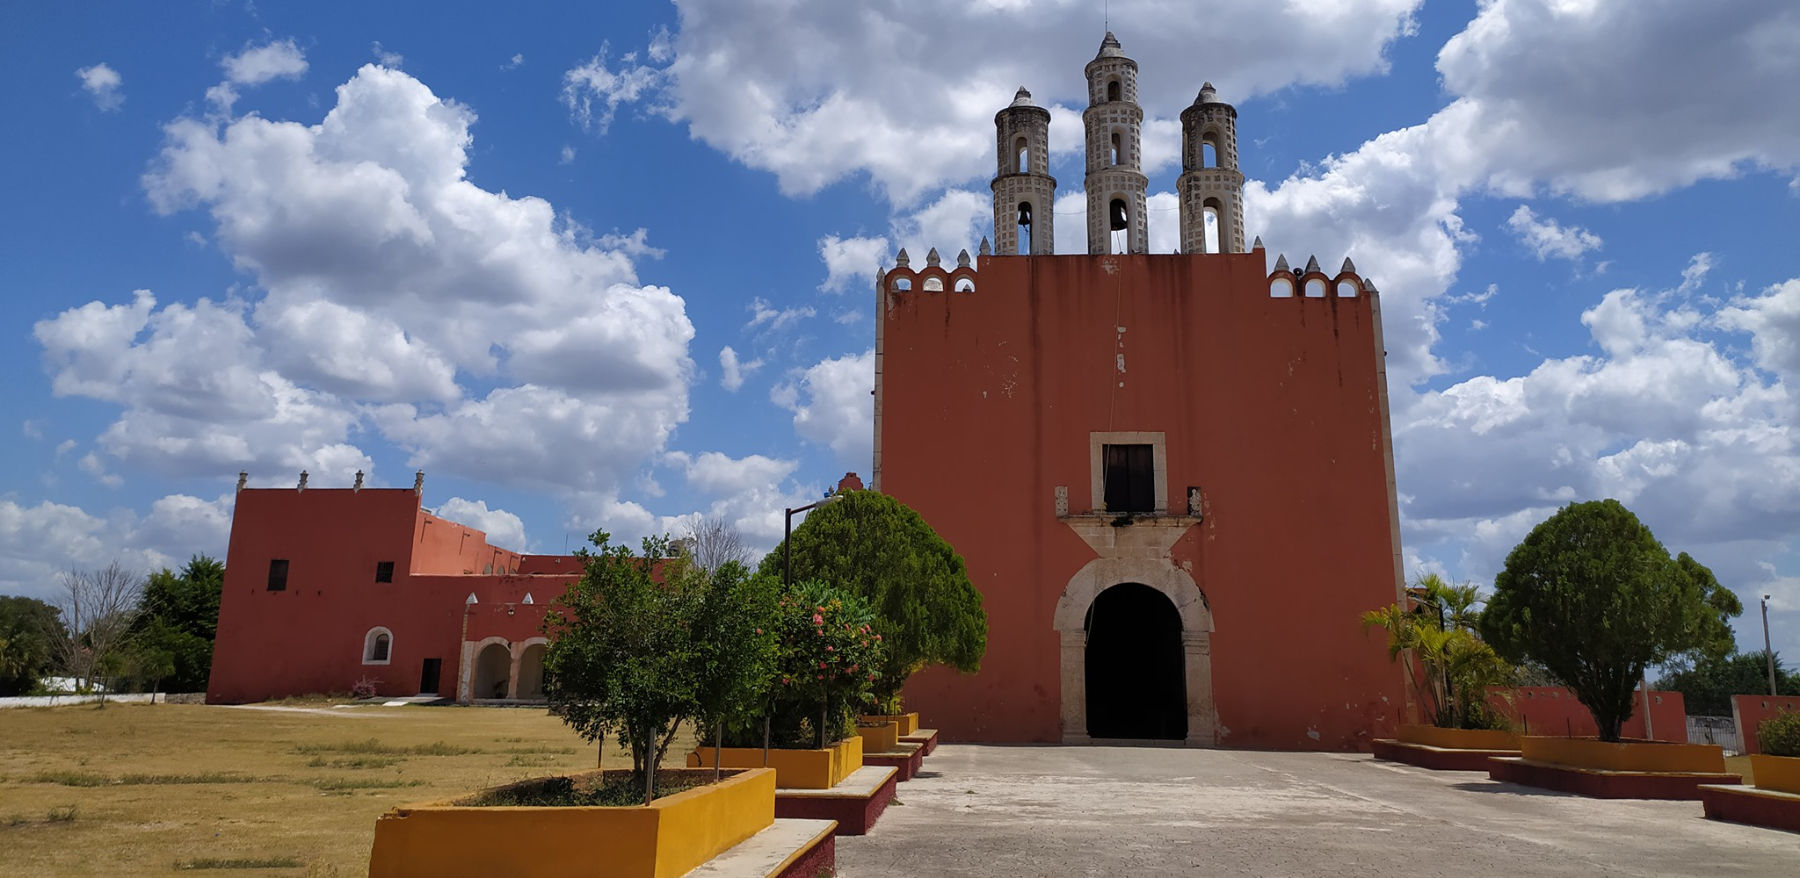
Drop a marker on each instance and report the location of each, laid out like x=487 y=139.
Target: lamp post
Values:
x=787 y=535
x=1767 y=652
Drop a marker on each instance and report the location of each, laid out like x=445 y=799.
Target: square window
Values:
x=278 y=570
x=1130 y=478
x=384 y=571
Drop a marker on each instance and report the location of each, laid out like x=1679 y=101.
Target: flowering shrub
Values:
x=830 y=654
x=365 y=687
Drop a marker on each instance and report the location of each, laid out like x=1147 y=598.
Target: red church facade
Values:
x=1170 y=475
x=326 y=587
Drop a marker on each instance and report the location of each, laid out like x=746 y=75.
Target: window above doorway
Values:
x=1128 y=472
x=384 y=571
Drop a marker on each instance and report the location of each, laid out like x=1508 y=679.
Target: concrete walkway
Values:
x=1131 y=811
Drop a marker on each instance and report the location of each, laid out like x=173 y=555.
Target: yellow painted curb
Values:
x=1458 y=739
x=1604 y=756
x=909 y=722
x=666 y=839
x=1778 y=773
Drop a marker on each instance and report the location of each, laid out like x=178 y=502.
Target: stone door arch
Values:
x=1196 y=639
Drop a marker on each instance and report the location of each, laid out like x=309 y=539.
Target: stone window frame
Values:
x=1158 y=443
x=368 y=653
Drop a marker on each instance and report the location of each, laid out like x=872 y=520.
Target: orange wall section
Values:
x=1275 y=408
x=309 y=637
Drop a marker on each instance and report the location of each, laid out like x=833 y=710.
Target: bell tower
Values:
x=1115 y=180
x=1024 y=191
x=1210 y=183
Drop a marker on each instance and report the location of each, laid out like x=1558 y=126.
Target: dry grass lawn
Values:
x=278 y=790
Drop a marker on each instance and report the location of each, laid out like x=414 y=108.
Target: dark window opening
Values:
x=1119 y=218
x=1112 y=90
x=1024 y=227
x=379 y=651
x=1136 y=668
x=278 y=568
x=384 y=571
x=1130 y=478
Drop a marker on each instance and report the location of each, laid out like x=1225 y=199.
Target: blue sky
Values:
x=612 y=266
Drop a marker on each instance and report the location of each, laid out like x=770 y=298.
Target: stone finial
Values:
x=1257 y=244
x=1208 y=94
x=985 y=249
x=901 y=260
x=419 y=482
x=1369 y=286
x=880 y=277
x=1281 y=263
x=302 y=485
x=1023 y=98
x=471 y=600
x=962 y=258
x=931 y=258
x=359 y=478
x=1312 y=265
x=243 y=479
x=528 y=600
x=1349 y=267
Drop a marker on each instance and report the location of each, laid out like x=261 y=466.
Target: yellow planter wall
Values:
x=668 y=838
x=1458 y=739
x=1778 y=773
x=879 y=739
x=794 y=769
x=909 y=722
x=1588 y=753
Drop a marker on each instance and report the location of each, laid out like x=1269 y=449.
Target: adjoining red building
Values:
x=1171 y=475
x=326 y=587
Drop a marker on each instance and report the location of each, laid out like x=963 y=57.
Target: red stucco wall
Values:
x=1749 y=710
x=1554 y=711
x=1273 y=406
x=309 y=638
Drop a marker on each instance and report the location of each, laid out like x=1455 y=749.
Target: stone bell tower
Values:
x=1024 y=191
x=1210 y=180
x=1115 y=179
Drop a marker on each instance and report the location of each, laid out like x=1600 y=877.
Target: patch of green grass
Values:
x=355 y=762
x=346 y=784
x=374 y=746
x=238 y=863
x=90 y=779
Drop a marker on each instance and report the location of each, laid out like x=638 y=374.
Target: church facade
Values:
x=1171 y=475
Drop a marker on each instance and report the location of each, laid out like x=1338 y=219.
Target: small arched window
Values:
x=1021 y=156
x=1113 y=90
x=1209 y=154
x=1115 y=148
x=378 y=646
x=934 y=285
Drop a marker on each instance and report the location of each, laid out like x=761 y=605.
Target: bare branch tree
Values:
x=96 y=609
x=714 y=542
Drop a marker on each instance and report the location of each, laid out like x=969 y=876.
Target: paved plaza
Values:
x=1130 y=811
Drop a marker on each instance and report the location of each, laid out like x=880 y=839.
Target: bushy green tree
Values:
x=177 y=621
x=736 y=646
x=28 y=628
x=1593 y=596
x=1779 y=735
x=643 y=642
x=878 y=549
x=1451 y=668
x=1707 y=685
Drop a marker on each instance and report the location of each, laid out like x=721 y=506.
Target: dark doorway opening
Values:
x=428 y=676
x=1136 y=668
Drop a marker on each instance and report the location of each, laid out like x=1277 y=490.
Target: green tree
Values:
x=28 y=627
x=177 y=621
x=831 y=649
x=1592 y=596
x=1706 y=687
x=1451 y=668
x=736 y=645
x=875 y=547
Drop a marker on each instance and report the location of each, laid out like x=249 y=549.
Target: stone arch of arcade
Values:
x=1196 y=626
x=496 y=669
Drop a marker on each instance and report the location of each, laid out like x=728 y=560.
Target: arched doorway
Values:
x=1136 y=680
x=493 y=668
x=531 y=672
